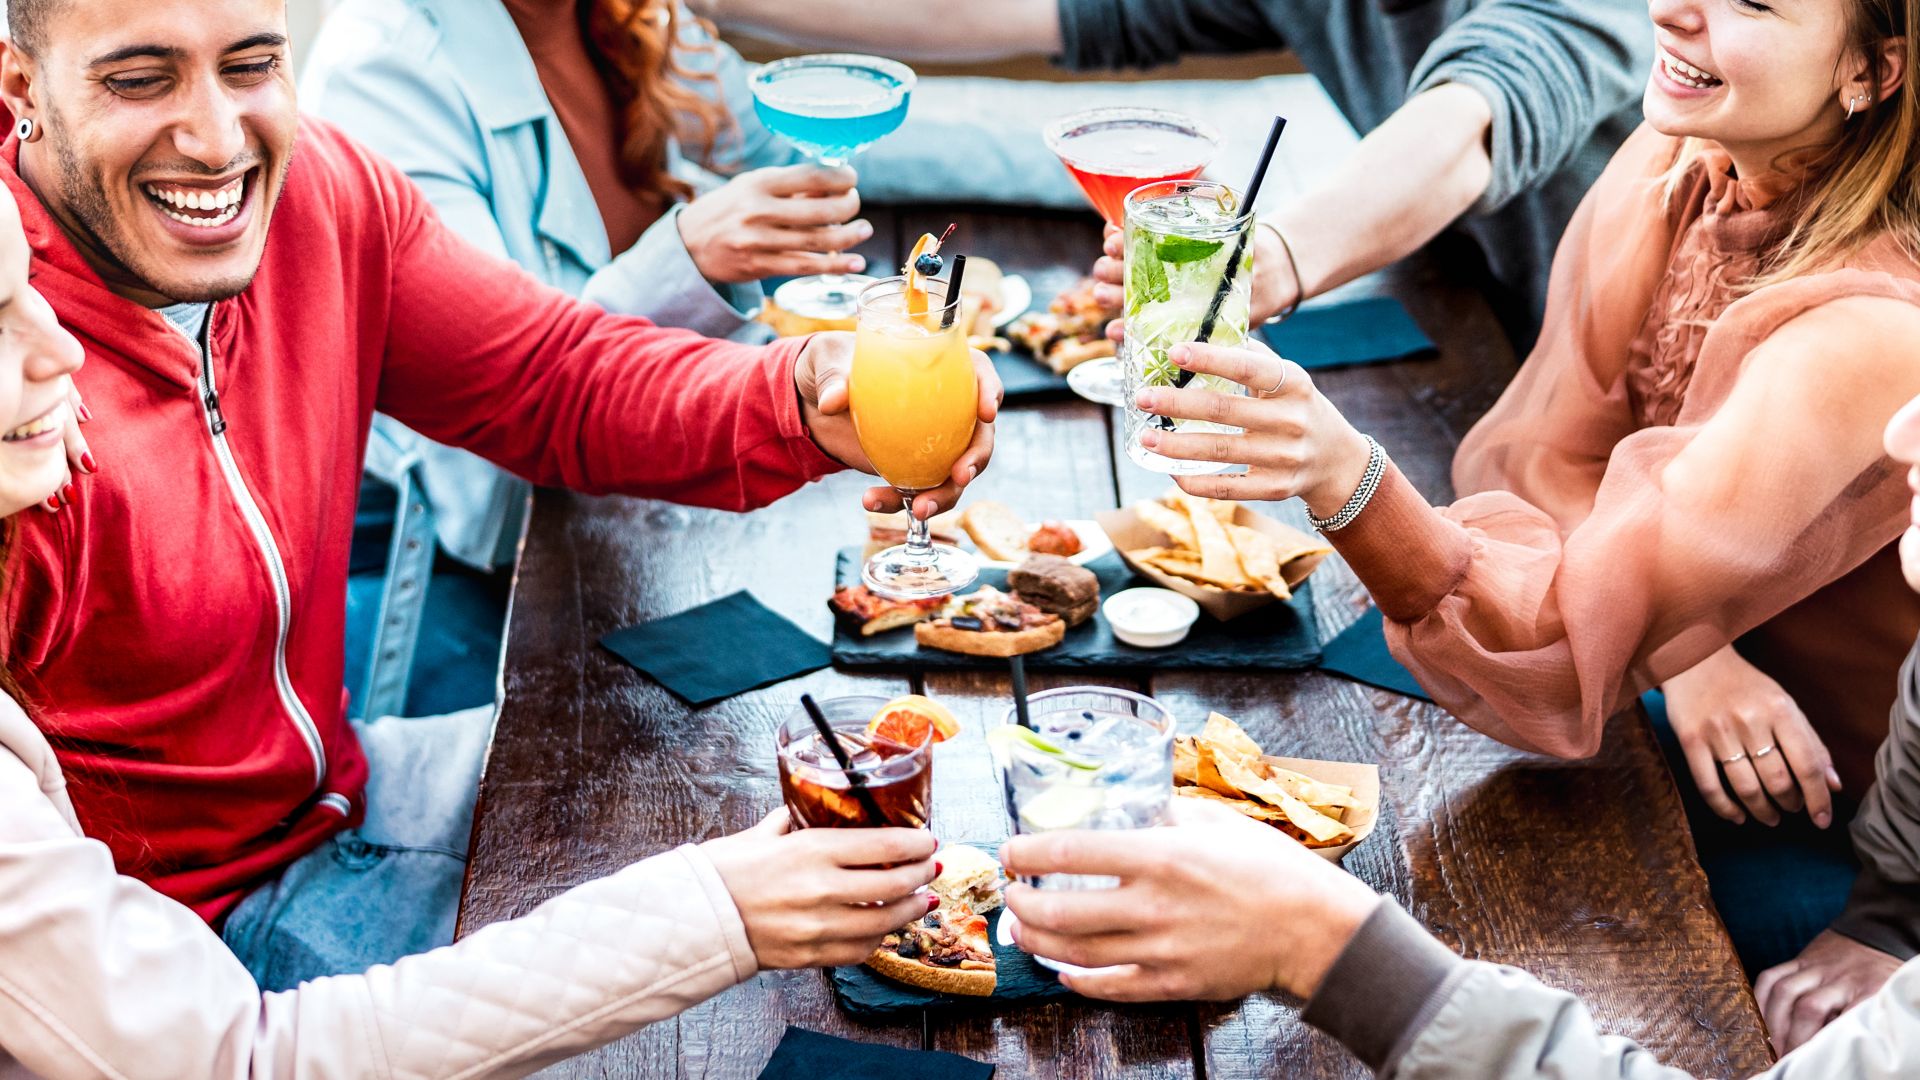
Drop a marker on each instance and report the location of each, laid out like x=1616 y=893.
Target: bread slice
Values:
x=971 y=979
x=941 y=634
x=996 y=530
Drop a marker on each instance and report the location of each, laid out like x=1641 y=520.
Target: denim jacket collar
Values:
x=504 y=89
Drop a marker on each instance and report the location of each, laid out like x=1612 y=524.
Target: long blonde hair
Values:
x=1867 y=183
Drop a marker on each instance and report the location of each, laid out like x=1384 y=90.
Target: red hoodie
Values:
x=181 y=627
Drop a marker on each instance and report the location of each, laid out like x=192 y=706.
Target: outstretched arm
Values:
x=979 y=30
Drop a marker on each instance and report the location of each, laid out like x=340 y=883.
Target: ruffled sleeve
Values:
x=1596 y=558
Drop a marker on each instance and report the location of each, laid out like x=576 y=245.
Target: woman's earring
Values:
x=26 y=129
x=1854 y=103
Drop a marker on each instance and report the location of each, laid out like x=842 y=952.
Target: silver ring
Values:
x=1284 y=372
x=1735 y=759
x=1763 y=751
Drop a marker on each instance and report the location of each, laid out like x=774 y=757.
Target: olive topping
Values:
x=968 y=622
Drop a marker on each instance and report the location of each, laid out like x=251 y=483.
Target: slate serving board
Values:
x=1279 y=636
x=1027 y=379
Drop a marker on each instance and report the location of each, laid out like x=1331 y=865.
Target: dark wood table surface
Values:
x=1580 y=872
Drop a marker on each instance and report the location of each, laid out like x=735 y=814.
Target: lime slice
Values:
x=1003 y=739
x=1062 y=806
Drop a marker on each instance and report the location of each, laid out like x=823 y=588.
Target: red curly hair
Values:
x=636 y=46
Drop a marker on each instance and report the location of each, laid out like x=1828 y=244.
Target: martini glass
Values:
x=831 y=106
x=1110 y=152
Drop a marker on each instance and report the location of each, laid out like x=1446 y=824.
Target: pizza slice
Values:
x=991 y=623
x=877 y=614
x=948 y=950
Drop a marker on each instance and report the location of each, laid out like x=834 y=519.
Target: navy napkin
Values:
x=1354 y=332
x=809 y=1055
x=1360 y=653
x=1024 y=378
x=721 y=648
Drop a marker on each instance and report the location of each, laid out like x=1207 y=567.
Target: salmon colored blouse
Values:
x=1675 y=468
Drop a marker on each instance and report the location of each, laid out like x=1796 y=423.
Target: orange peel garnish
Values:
x=917 y=301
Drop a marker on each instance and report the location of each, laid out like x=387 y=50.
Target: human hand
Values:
x=1294 y=441
x=820 y=376
x=1831 y=975
x=79 y=457
x=1210 y=908
x=812 y=898
x=776 y=221
x=1725 y=708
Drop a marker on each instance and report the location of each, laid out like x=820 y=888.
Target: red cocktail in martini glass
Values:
x=1110 y=152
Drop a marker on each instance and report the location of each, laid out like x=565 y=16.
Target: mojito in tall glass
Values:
x=1183 y=237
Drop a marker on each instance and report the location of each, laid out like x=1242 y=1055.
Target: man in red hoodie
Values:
x=250 y=286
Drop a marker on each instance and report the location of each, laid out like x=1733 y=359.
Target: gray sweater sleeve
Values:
x=1413 y=1011
x=1109 y=34
x=1552 y=71
x=1884 y=910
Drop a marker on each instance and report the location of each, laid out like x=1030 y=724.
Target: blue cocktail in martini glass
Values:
x=831 y=106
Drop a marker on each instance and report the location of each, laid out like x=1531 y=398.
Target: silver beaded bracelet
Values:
x=1369 y=483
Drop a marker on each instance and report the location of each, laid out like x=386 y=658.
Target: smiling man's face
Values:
x=168 y=126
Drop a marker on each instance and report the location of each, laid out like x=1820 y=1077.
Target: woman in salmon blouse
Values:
x=1691 y=457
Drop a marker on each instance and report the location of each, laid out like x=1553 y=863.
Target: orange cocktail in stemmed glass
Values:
x=915 y=401
x=1110 y=152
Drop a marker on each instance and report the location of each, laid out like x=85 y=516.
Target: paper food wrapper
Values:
x=1129 y=533
x=1365 y=782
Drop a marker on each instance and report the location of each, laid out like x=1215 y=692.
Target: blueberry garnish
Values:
x=928 y=265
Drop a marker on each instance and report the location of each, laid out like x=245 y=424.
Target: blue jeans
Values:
x=389 y=888
x=1775 y=887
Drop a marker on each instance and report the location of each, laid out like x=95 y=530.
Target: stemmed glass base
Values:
x=1098 y=381
x=904 y=572
x=822 y=296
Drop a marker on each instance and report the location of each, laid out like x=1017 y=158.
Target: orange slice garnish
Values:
x=906 y=721
x=928 y=244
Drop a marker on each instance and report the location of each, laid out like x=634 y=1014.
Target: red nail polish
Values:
x=86 y=414
x=53 y=502
x=932 y=901
x=87 y=462
x=66 y=495
x=936 y=869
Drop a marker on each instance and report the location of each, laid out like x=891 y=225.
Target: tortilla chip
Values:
x=1169 y=521
x=1246 y=806
x=1235 y=771
x=1225 y=734
x=1218 y=563
x=1221 y=510
x=1315 y=793
x=1259 y=559
x=1186 y=760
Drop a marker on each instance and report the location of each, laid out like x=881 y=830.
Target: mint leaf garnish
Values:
x=1184 y=249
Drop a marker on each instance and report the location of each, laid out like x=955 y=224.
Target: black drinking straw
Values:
x=1019 y=665
x=1240 y=245
x=953 y=291
x=858 y=785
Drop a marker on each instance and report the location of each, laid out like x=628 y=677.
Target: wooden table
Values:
x=1581 y=872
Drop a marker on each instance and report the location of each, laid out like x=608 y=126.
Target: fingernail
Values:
x=53 y=502
x=1143 y=400
x=1180 y=354
x=86 y=462
x=864 y=228
x=86 y=414
x=856 y=264
x=1821 y=819
x=1150 y=440
x=933 y=901
x=66 y=494
x=973 y=471
x=937 y=868
x=1833 y=779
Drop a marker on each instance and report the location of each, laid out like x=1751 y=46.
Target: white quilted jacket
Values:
x=101 y=976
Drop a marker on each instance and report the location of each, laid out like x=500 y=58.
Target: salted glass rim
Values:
x=764 y=78
x=1061 y=127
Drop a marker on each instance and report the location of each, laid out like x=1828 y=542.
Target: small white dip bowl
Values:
x=1150 y=618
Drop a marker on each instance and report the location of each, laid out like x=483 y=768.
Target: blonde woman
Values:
x=1690 y=459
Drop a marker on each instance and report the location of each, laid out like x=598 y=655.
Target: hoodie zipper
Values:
x=263 y=537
